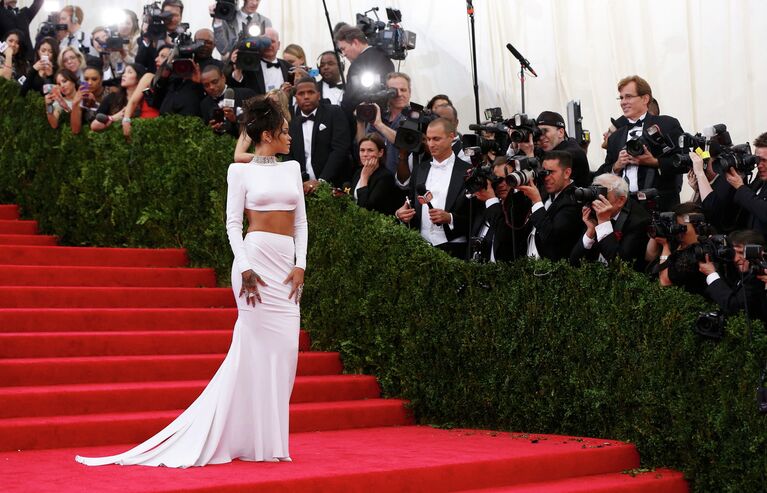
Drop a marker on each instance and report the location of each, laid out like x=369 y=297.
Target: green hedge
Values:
x=527 y=346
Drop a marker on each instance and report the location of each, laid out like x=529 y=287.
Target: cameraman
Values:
x=173 y=11
x=12 y=17
x=748 y=290
x=271 y=73
x=554 y=138
x=353 y=44
x=648 y=170
x=502 y=228
x=228 y=32
x=678 y=265
x=616 y=226
x=73 y=16
x=219 y=107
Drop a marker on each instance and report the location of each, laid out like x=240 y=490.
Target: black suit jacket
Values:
x=381 y=194
x=559 y=227
x=753 y=205
x=371 y=60
x=663 y=178
x=208 y=105
x=254 y=80
x=20 y=21
x=731 y=301
x=331 y=146
x=507 y=231
x=456 y=202
x=631 y=227
x=729 y=209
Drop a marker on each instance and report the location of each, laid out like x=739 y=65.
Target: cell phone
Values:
x=44 y=58
x=47 y=88
x=218 y=115
x=85 y=86
x=3 y=46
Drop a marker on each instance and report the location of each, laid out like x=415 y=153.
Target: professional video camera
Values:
x=183 y=53
x=717 y=247
x=114 y=41
x=226 y=10
x=496 y=126
x=156 y=20
x=652 y=137
x=664 y=225
x=50 y=27
x=366 y=110
x=410 y=132
x=249 y=51
x=390 y=37
x=522 y=128
x=739 y=157
x=587 y=195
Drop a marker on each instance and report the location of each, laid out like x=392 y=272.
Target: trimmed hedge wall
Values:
x=527 y=346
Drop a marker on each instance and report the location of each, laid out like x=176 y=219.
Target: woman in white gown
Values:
x=243 y=412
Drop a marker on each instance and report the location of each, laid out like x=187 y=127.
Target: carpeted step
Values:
x=65 y=400
x=657 y=481
x=32 y=275
x=91 y=429
x=115 y=257
x=115 y=319
x=17 y=227
x=39 y=240
x=60 y=371
x=97 y=297
x=9 y=211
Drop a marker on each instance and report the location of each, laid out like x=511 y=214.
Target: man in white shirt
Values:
x=331 y=87
x=73 y=17
x=271 y=73
x=437 y=205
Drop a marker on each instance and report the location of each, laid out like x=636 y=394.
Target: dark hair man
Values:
x=271 y=73
x=616 y=226
x=147 y=46
x=227 y=32
x=331 y=87
x=647 y=170
x=442 y=214
x=365 y=59
x=220 y=105
x=678 y=266
x=555 y=216
x=12 y=17
x=554 y=138
x=321 y=140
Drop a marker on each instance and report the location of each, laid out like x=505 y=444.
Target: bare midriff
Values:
x=278 y=222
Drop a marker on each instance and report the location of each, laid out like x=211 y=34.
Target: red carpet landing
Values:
x=102 y=347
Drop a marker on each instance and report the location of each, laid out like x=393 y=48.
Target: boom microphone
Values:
x=522 y=60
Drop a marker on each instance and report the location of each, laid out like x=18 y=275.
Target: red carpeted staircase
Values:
x=102 y=347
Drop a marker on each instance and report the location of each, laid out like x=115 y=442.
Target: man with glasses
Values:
x=649 y=169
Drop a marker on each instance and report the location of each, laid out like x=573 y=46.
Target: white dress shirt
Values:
x=532 y=248
x=332 y=94
x=308 y=129
x=272 y=76
x=631 y=172
x=486 y=227
x=437 y=183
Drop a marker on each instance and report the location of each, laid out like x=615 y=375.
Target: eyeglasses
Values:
x=627 y=97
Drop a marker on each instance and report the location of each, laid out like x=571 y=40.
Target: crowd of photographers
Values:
x=517 y=187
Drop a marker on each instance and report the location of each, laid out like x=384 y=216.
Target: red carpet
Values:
x=102 y=347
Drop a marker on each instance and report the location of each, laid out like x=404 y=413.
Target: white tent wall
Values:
x=700 y=56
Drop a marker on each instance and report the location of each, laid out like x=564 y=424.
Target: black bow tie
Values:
x=271 y=64
x=305 y=119
x=638 y=123
x=338 y=85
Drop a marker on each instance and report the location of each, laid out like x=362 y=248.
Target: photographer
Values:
x=331 y=87
x=220 y=105
x=227 y=32
x=748 y=290
x=171 y=14
x=555 y=218
x=12 y=18
x=353 y=44
x=648 y=169
x=270 y=72
x=616 y=226
x=678 y=265
x=129 y=30
x=387 y=124
x=554 y=138
x=501 y=228
x=75 y=37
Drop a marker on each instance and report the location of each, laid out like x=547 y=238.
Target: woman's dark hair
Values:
x=20 y=63
x=430 y=104
x=262 y=114
x=378 y=141
x=54 y=58
x=68 y=75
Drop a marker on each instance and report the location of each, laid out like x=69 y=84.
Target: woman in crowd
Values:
x=294 y=55
x=241 y=150
x=373 y=185
x=93 y=93
x=129 y=30
x=46 y=64
x=62 y=98
x=113 y=107
x=243 y=412
x=73 y=60
x=13 y=62
x=137 y=102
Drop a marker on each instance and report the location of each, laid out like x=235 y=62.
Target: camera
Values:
x=156 y=20
x=114 y=41
x=653 y=139
x=226 y=10
x=717 y=247
x=664 y=225
x=710 y=324
x=249 y=51
x=389 y=38
x=522 y=128
x=575 y=123
x=185 y=47
x=477 y=177
x=755 y=256
x=738 y=157
x=50 y=27
x=681 y=160
x=410 y=132
x=586 y=195
x=366 y=111
x=482 y=144
x=496 y=126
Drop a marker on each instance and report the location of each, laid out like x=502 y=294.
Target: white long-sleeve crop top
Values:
x=259 y=187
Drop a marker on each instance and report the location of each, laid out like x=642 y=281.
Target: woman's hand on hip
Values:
x=250 y=282
x=296 y=277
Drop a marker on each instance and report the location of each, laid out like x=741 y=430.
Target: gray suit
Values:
x=226 y=34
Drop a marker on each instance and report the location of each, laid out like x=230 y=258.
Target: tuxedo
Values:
x=331 y=144
x=663 y=178
x=254 y=80
x=208 y=105
x=753 y=202
x=628 y=239
x=371 y=60
x=381 y=194
x=559 y=227
x=507 y=232
x=728 y=209
x=730 y=300
x=331 y=95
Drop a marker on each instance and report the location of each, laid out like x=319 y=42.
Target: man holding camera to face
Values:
x=229 y=23
x=154 y=35
x=616 y=226
x=267 y=72
x=220 y=106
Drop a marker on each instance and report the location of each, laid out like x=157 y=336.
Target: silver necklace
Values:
x=265 y=160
